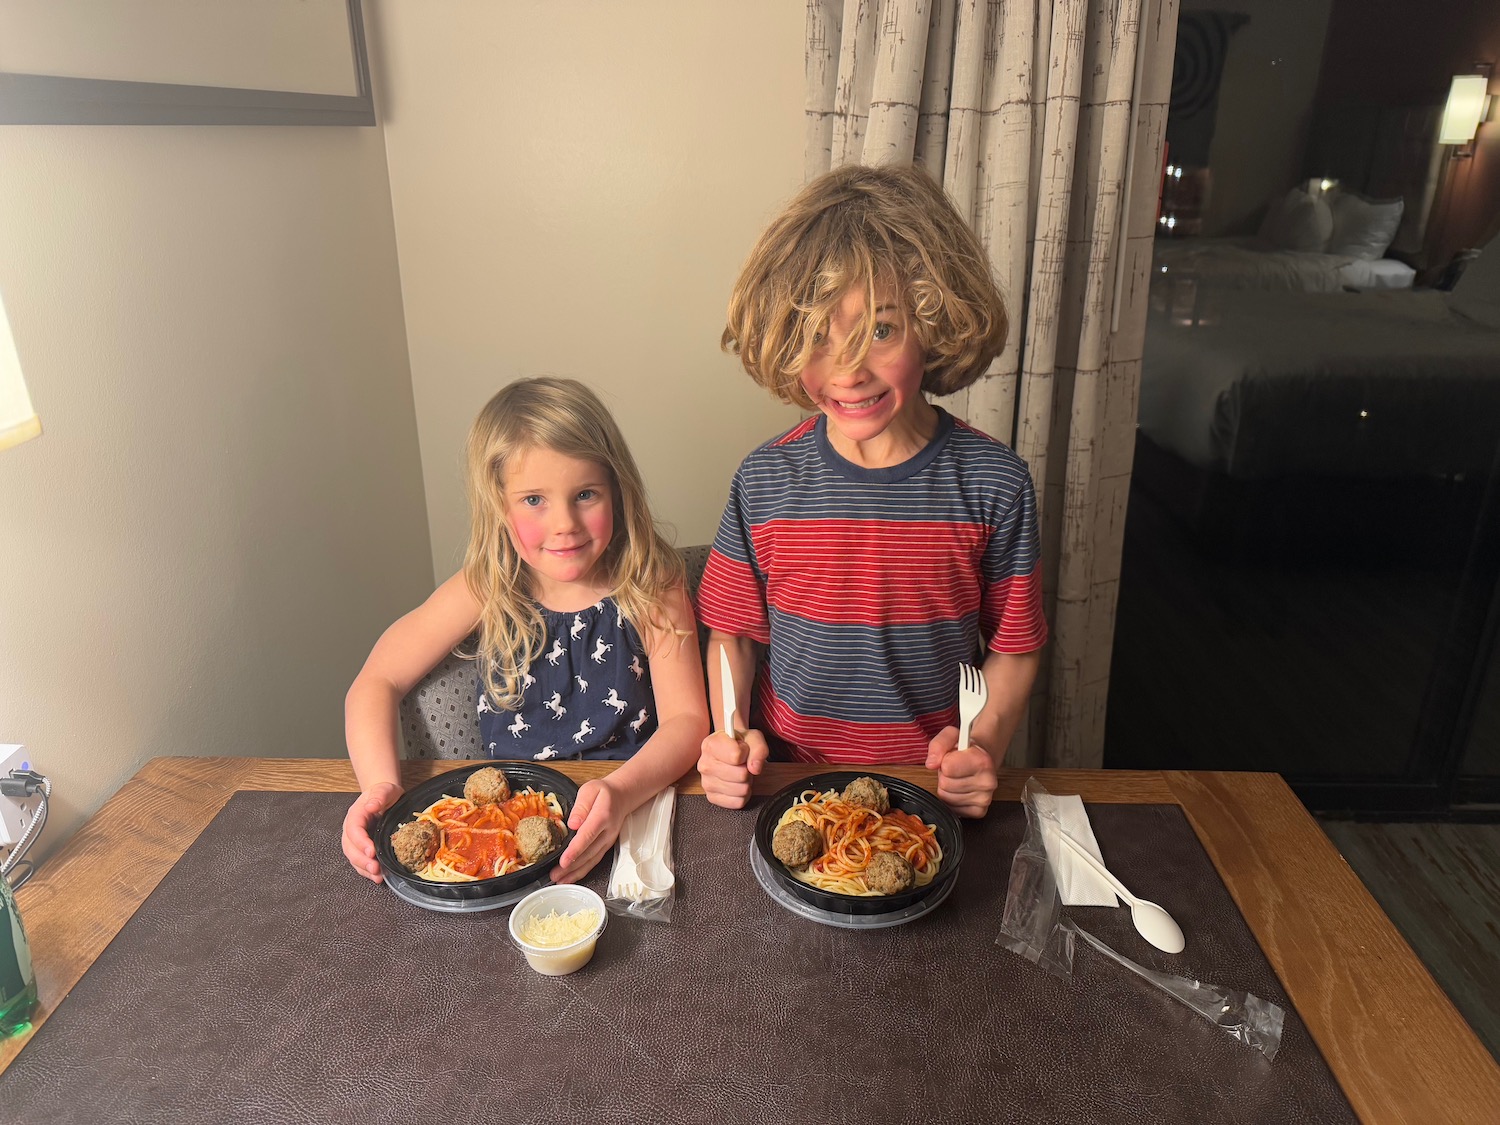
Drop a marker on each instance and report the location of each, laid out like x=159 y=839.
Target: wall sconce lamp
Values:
x=18 y=421
x=1467 y=108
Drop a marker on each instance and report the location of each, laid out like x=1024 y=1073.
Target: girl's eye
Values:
x=817 y=338
x=587 y=494
x=884 y=332
x=532 y=501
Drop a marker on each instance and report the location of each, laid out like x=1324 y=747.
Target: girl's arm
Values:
x=682 y=721
x=406 y=652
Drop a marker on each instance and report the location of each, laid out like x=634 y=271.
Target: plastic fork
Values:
x=640 y=872
x=625 y=879
x=973 y=693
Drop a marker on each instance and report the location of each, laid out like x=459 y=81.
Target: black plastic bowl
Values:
x=521 y=775
x=904 y=796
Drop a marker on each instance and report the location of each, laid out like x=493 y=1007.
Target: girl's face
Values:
x=876 y=414
x=560 y=512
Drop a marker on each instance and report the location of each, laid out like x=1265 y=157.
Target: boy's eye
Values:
x=884 y=332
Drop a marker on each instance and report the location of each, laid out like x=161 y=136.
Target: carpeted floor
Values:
x=1440 y=884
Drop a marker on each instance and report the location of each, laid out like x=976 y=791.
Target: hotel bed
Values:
x=1314 y=408
x=1381 y=384
x=1244 y=263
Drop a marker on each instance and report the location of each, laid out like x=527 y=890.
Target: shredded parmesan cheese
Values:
x=554 y=930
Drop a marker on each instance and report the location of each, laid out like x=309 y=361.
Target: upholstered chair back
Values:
x=438 y=718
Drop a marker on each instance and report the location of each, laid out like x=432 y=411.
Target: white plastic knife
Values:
x=726 y=689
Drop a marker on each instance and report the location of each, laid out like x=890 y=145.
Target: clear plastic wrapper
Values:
x=642 y=882
x=1253 y=1021
x=1033 y=926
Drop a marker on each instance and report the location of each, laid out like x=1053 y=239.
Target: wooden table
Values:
x=1398 y=1047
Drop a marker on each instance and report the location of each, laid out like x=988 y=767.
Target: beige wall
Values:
x=225 y=507
x=575 y=186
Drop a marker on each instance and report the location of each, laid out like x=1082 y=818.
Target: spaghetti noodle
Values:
x=854 y=835
x=478 y=841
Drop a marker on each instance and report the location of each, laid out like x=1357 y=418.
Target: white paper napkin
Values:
x=1078 y=883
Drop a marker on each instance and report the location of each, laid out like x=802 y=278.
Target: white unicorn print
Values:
x=518 y=726
x=544 y=753
x=613 y=700
x=583 y=685
x=527 y=680
x=599 y=604
x=484 y=706
x=554 y=654
x=639 y=721
x=635 y=666
x=619 y=618
x=600 y=648
x=555 y=705
x=578 y=625
x=492 y=747
x=584 y=731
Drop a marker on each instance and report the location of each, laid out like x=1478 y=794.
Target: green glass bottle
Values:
x=17 y=980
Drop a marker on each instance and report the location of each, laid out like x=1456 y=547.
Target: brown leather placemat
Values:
x=263 y=981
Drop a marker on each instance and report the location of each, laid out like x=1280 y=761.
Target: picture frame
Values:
x=44 y=99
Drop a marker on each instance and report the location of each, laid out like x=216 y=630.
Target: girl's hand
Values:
x=726 y=765
x=966 y=778
x=595 y=820
x=359 y=849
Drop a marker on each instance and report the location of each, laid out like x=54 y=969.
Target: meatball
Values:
x=797 y=843
x=414 y=843
x=868 y=792
x=890 y=874
x=535 y=837
x=487 y=787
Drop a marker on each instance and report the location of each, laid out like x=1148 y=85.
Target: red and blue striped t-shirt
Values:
x=869 y=585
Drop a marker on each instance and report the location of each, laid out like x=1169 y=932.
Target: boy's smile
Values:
x=877 y=416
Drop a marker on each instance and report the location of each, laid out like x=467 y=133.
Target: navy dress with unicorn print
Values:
x=588 y=695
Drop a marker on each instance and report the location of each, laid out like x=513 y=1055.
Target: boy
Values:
x=866 y=552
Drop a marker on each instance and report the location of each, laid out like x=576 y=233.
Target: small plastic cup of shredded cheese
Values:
x=557 y=928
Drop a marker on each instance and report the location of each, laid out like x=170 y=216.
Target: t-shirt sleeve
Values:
x=1010 y=612
x=732 y=597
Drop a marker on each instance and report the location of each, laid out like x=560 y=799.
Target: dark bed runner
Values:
x=263 y=981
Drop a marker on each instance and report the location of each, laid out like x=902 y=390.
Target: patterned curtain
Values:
x=1023 y=109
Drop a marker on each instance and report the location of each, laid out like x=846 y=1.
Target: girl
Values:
x=866 y=552
x=585 y=642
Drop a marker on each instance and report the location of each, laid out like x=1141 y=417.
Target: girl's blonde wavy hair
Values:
x=640 y=566
x=866 y=227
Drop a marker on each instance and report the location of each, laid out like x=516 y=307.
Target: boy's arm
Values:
x=406 y=652
x=1008 y=676
x=728 y=759
x=744 y=658
x=681 y=723
x=966 y=778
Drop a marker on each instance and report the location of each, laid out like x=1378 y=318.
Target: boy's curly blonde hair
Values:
x=867 y=228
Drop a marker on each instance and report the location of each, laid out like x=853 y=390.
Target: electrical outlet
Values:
x=15 y=812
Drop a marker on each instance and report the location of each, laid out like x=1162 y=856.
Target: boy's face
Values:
x=560 y=514
x=876 y=414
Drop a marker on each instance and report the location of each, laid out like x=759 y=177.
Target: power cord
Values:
x=23 y=784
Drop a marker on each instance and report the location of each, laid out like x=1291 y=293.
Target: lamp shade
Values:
x=1464 y=110
x=18 y=421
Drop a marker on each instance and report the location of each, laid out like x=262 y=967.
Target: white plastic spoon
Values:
x=1151 y=921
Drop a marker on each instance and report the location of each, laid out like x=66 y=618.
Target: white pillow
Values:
x=1363 y=228
x=1297 y=221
